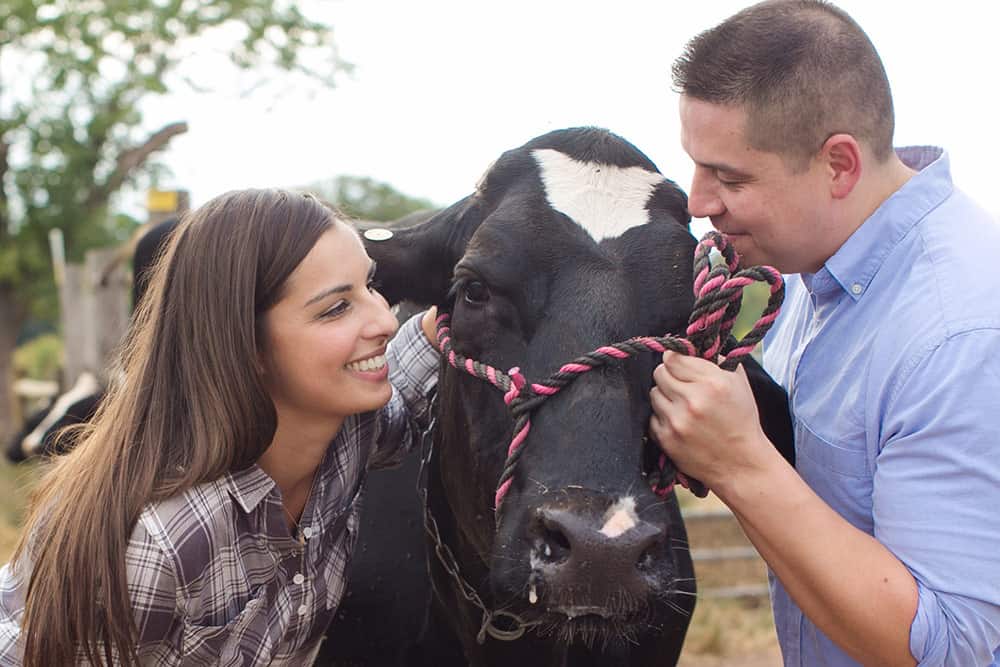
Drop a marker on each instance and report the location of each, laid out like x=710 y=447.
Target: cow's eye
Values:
x=476 y=293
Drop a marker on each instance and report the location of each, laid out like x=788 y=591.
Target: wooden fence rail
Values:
x=721 y=523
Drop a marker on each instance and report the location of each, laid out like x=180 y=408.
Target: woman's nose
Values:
x=383 y=322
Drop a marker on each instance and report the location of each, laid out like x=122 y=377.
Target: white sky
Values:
x=442 y=88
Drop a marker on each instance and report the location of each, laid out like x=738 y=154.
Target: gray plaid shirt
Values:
x=214 y=575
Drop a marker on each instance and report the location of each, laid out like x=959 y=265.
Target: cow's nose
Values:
x=598 y=559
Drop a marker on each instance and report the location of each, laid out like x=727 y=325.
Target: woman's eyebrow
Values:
x=327 y=292
x=339 y=289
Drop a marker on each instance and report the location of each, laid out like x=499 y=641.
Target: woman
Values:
x=208 y=513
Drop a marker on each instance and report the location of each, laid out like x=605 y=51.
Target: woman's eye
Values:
x=336 y=310
x=476 y=293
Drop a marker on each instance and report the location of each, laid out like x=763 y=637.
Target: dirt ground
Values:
x=770 y=657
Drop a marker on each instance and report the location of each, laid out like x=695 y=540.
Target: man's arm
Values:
x=851 y=586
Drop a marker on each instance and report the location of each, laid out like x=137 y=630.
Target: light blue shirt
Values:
x=890 y=354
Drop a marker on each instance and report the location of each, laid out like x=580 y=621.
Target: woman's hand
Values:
x=429 y=324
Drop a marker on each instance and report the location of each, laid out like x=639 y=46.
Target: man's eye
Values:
x=476 y=293
x=374 y=285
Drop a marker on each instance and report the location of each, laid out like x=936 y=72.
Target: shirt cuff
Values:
x=413 y=364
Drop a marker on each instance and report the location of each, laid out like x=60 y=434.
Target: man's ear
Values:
x=841 y=155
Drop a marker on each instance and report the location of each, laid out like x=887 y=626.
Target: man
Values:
x=884 y=542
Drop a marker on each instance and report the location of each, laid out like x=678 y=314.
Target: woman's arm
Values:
x=413 y=371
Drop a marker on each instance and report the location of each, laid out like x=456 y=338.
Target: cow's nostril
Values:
x=554 y=545
x=648 y=558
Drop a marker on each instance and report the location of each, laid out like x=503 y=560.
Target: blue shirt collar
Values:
x=856 y=262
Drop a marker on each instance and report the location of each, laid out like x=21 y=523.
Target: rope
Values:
x=718 y=292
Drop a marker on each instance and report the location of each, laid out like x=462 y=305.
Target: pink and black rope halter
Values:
x=718 y=292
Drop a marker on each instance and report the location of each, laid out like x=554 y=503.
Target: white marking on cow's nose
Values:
x=620 y=517
x=604 y=199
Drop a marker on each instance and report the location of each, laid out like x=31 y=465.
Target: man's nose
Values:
x=703 y=199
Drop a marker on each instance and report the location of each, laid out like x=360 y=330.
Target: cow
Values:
x=40 y=435
x=572 y=241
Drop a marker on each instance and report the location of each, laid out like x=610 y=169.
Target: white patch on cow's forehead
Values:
x=620 y=517
x=603 y=199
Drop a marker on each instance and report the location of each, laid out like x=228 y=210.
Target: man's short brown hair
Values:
x=802 y=69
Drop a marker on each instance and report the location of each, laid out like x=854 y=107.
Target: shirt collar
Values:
x=855 y=263
x=249 y=486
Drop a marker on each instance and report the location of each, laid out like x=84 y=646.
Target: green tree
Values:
x=365 y=198
x=71 y=127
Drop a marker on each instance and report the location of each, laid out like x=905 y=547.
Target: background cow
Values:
x=570 y=242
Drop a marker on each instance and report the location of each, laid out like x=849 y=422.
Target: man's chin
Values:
x=745 y=246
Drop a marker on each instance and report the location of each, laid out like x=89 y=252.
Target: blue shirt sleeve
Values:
x=936 y=502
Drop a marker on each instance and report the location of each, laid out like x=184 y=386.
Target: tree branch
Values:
x=131 y=160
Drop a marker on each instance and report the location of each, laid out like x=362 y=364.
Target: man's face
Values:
x=771 y=214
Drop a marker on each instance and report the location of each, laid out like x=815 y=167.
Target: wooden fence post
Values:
x=94 y=315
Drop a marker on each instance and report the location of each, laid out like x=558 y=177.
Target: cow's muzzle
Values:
x=592 y=555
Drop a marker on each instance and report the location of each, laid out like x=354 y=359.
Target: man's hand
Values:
x=705 y=419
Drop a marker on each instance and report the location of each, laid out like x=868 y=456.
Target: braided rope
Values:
x=718 y=293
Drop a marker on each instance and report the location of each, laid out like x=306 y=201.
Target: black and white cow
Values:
x=570 y=242
x=40 y=435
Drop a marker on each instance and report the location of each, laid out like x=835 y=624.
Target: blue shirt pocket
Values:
x=839 y=459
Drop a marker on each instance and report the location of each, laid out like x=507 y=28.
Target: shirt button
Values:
x=303 y=610
x=298 y=578
x=856 y=288
x=307 y=531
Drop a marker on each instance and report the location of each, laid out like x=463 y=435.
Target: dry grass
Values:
x=727 y=632
x=15 y=485
x=731 y=629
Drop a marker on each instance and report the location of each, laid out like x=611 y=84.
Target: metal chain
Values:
x=447 y=558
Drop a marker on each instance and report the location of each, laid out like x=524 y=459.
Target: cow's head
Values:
x=569 y=242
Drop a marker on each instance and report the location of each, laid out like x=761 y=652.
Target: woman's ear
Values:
x=842 y=156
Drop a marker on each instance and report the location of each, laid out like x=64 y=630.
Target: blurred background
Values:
x=115 y=116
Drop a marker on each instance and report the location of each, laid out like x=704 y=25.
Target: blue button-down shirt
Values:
x=890 y=354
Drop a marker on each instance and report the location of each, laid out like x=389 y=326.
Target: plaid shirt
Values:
x=214 y=574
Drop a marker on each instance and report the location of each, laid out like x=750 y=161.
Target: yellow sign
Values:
x=161 y=201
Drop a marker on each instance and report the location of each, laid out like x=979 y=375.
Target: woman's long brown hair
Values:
x=189 y=406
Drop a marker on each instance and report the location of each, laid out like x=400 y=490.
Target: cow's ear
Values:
x=416 y=263
x=669 y=201
x=773 y=408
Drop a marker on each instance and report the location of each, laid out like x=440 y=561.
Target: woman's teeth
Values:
x=367 y=365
